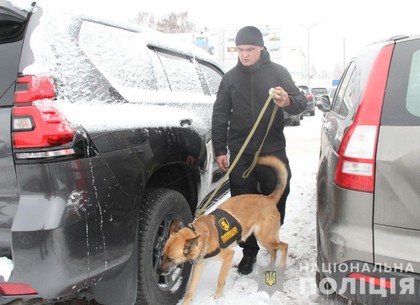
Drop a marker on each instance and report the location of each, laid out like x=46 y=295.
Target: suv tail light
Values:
x=36 y=121
x=9 y=289
x=357 y=154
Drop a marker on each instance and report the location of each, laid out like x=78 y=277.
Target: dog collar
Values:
x=192 y=228
x=202 y=256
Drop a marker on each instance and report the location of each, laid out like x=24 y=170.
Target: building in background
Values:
x=221 y=45
x=227 y=55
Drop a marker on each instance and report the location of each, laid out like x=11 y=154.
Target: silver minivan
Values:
x=368 y=181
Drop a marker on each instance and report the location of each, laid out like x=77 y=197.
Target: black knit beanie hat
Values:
x=249 y=35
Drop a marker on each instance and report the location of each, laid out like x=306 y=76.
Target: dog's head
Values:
x=181 y=247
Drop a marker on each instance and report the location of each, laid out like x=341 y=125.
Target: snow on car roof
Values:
x=73 y=35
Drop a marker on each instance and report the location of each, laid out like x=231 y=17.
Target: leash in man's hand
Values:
x=238 y=156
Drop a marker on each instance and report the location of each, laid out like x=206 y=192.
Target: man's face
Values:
x=249 y=54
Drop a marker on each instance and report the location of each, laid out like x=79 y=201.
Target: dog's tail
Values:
x=281 y=172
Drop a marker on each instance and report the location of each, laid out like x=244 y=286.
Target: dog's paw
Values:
x=217 y=294
x=187 y=300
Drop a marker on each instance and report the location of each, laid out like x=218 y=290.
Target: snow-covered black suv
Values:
x=104 y=141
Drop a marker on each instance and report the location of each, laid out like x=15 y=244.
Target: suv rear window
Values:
x=402 y=98
x=11 y=25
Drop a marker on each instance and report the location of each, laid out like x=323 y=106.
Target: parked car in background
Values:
x=104 y=142
x=318 y=92
x=310 y=99
x=292 y=119
x=368 y=195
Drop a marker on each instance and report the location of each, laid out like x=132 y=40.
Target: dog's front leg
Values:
x=195 y=278
x=226 y=256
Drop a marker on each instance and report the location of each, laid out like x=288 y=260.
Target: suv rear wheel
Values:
x=159 y=209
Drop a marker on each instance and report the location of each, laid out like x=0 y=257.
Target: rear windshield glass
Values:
x=11 y=26
x=402 y=97
x=413 y=86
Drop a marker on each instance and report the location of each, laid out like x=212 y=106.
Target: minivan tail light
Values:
x=357 y=154
x=36 y=121
x=355 y=167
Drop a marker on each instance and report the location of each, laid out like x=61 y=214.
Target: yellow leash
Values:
x=254 y=162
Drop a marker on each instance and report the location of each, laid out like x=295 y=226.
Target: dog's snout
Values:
x=163 y=267
x=166 y=266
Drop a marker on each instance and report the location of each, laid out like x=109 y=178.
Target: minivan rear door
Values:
x=12 y=26
x=397 y=184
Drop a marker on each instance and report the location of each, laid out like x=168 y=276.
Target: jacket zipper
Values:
x=253 y=105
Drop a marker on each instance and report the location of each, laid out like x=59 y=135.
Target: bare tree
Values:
x=338 y=70
x=171 y=23
x=176 y=23
x=146 y=19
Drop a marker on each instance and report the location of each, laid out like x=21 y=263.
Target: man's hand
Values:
x=281 y=98
x=223 y=162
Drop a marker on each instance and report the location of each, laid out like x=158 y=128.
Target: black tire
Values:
x=160 y=207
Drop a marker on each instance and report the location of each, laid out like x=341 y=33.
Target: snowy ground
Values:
x=296 y=284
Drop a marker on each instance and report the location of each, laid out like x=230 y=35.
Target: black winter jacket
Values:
x=242 y=94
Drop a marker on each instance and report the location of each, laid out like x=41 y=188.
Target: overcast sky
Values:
x=340 y=28
x=337 y=29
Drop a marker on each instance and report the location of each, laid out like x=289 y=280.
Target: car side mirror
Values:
x=325 y=104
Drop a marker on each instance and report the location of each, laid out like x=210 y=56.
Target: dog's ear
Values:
x=190 y=244
x=175 y=226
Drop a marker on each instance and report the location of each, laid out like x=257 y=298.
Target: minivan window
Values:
x=346 y=92
x=402 y=95
x=413 y=87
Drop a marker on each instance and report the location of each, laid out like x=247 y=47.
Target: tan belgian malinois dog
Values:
x=214 y=235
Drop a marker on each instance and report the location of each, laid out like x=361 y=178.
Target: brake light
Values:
x=8 y=289
x=32 y=88
x=357 y=153
x=379 y=282
x=36 y=122
x=355 y=168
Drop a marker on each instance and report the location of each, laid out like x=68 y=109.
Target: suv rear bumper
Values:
x=70 y=227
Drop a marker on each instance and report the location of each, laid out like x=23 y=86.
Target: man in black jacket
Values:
x=240 y=99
